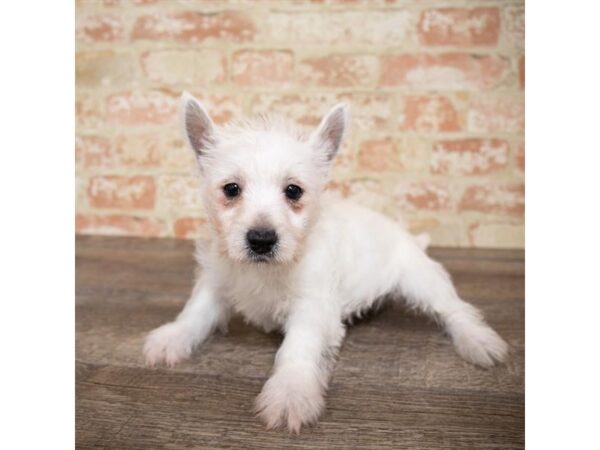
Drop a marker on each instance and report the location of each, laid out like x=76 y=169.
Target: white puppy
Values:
x=289 y=256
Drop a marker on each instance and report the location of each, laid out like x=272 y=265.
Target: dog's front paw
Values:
x=292 y=397
x=479 y=344
x=169 y=344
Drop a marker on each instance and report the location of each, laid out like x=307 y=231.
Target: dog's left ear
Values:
x=330 y=132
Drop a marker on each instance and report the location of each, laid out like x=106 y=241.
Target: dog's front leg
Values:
x=294 y=395
x=174 y=341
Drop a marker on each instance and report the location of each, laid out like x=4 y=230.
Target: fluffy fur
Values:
x=333 y=260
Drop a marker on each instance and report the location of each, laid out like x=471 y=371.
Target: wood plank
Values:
x=397 y=384
x=189 y=410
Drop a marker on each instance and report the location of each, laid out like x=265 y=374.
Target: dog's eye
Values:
x=293 y=192
x=231 y=190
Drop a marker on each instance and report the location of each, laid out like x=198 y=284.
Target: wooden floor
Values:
x=397 y=384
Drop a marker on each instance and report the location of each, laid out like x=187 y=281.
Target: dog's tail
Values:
x=423 y=240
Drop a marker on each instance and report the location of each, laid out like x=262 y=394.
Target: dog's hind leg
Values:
x=427 y=286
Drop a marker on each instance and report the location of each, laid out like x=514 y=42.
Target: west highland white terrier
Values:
x=289 y=256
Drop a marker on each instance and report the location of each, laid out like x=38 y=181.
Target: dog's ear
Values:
x=197 y=125
x=330 y=132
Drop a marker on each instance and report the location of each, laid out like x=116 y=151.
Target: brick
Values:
x=187 y=67
x=520 y=156
x=222 y=108
x=343 y=2
x=459 y=27
x=89 y=111
x=341 y=187
x=148 y=150
x=194 y=27
x=95 y=69
x=92 y=151
x=179 y=193
x=119 y=225
x=430 y=113
x=368 y=27
x=449 y=71
x=443 y=230
x=141 y=107
x=496 y=235
x=368 y=111
x=418 y=225
x=339 y=70
x=262 y=67
x=344 y=161
x=303 y=109
x=138 y=151
x=116 y=191
x=414 y=151
x=422 y=196
x=161 y=150
x=80 y=190
x=469 y=156
x=127 y=2
x=379 y=155
x=514 y=27
x=100 y=28
x=369 y=192
x=494 y=199
x=522 y=72
x=189 y=227
x=496 y=114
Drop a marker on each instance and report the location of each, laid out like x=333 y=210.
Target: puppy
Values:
x=289 y=256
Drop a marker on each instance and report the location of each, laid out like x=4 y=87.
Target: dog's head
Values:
x=261 y=179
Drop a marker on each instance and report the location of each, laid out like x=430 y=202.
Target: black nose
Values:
x=261 y=240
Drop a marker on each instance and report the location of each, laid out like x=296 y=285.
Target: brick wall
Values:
x=436 y=87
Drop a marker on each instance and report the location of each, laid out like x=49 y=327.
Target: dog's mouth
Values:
x=261 y=258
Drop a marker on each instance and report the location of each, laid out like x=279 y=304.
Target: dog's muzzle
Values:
x=261 y=241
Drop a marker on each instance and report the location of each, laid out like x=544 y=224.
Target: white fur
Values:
x=334 y=260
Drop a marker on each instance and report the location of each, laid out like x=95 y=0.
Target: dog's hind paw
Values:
x=479 y=344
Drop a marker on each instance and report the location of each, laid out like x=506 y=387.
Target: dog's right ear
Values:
x=197 y=125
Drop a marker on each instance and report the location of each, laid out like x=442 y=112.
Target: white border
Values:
x=37 y=233
x=562 y=225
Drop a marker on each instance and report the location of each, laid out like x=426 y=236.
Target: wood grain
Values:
x=397 y=383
